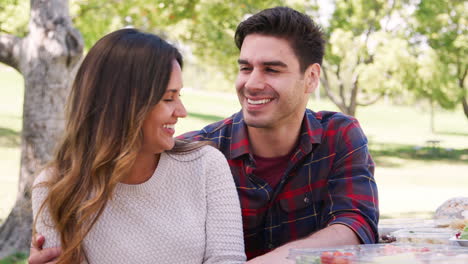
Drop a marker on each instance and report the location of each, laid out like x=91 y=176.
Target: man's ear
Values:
x=312 y=77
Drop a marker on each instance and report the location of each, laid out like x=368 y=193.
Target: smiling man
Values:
x=304 y=178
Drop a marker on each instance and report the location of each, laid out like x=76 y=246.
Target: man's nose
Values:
x=255 y=81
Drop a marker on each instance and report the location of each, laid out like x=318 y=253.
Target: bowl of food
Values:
x=461 y=242
x=461 y=237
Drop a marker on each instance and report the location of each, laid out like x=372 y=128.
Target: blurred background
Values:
x=399 y=66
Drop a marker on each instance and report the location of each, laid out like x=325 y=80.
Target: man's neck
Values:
x=274 y=142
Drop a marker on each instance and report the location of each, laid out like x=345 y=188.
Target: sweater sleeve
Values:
x=44 y=223
x=224 y=236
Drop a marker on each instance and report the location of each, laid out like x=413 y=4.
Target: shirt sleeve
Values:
x=224 y=235
x=351 y=186
x=44 y=223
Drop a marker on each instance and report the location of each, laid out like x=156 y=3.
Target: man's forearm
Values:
x=331 y=236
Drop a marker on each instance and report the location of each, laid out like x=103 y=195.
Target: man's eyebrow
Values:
x=275 y=63
x=241 y=61
x=265 y=63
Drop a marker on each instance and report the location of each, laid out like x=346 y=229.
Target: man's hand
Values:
x=37 y=255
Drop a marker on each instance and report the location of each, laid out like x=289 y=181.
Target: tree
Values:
x=211 y=31
x=429 y=79
x=445 y=28
x=46 y=57
x=364 y=53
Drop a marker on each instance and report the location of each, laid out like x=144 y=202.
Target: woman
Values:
x=120 y=189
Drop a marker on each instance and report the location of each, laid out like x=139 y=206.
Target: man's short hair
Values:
x=305 y=37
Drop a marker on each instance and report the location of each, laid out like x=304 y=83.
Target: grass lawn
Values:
x=413 y=179
x=17 y=258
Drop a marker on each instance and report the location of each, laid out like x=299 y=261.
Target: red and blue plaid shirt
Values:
x=329 y=180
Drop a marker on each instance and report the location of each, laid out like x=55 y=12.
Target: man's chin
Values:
x=257 y=120
x=256 y=123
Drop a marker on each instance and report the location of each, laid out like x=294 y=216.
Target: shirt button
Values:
x=306 y=200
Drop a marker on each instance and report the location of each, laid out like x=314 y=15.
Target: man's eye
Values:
x=271 y=70
x=168 y=100
x=244 y=69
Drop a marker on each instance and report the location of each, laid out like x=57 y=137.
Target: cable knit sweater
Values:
x=187 y=212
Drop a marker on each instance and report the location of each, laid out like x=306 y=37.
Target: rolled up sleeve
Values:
x=353 y=196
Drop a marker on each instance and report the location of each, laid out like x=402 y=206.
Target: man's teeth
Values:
x=169 y=126
x=257 y=102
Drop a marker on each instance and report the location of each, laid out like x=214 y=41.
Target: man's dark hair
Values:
x=305 y=37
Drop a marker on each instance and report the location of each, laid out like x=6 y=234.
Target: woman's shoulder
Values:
x=203 y=152
x=43 y=176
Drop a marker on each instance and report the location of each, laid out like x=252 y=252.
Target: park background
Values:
x=398 y=66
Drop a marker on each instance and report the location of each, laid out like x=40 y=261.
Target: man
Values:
x=304 y=178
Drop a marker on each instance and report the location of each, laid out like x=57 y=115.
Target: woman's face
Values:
x=159 y=125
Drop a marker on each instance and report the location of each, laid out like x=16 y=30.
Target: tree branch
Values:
x=354 y=93
x=370 y=101
x=330 y=94
x=10 y=50
x=340 y=84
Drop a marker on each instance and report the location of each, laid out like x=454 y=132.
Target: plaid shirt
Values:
x=328 y=180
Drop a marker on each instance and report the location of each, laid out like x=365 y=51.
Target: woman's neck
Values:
x=143 y=168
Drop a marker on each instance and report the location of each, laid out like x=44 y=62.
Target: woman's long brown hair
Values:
x=122 y=78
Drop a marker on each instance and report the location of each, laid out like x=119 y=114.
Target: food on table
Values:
x=458 y=223
x=382 y=254
x=464 y=233
x=424 y=235
x=387 y=238
x=327 y=257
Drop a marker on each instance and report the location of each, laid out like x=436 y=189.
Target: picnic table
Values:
x=433 y=144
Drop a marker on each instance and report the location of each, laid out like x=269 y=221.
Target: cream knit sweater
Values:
x=187 y=212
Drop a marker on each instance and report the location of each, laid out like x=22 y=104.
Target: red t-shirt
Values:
x=271 y=169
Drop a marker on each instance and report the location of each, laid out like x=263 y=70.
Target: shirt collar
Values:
x=311 y=133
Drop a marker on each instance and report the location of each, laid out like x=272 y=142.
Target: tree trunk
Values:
x=47 y=58
x=461 y=84
x=328 y=90
x=465 y=106
x=432 y=123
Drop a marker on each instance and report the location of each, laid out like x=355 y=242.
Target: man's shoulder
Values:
x=212 y=131
x=327 y=118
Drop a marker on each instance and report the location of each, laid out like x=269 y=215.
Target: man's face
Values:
x=270 y=85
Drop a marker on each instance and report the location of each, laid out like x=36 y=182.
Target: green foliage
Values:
x=364 y=57
x=207 y=26
x=14 y=15
x=432 y=79
x=360 y=43
x=444 y=26
x=211 y=31
x=358 y=16
x=95 y=18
